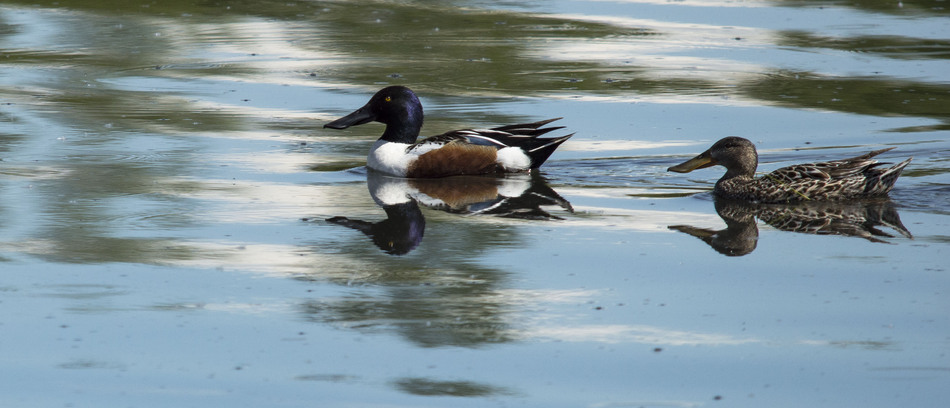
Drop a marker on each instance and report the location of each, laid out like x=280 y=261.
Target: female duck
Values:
x=512 y=148
x=856 y=177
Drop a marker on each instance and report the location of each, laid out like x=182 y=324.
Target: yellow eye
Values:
x=388 y=98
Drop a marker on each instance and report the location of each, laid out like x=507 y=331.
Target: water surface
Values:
x=166 y=186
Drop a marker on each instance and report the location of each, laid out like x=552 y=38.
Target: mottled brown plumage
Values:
x=856 y=177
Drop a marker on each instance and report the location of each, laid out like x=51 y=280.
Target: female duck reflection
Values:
x=519 y=196
x=848 y=218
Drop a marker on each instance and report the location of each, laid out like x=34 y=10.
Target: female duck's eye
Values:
x=388 y=98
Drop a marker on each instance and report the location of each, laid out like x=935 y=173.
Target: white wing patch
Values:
x=420 y=149
x=490 y=140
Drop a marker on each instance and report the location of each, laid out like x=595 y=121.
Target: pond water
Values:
x=177 y=228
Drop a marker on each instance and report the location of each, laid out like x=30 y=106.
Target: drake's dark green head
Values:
x=736 y=154
x=395 y=106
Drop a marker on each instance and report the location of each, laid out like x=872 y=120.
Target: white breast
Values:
x=389 y=158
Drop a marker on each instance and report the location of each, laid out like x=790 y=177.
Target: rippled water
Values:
x=177 y=229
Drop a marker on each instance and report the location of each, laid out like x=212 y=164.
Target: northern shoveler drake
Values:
x=513 y=148
x=856 y=177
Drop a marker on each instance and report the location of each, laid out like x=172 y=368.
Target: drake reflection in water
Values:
x=860 y=218
x=512 y=196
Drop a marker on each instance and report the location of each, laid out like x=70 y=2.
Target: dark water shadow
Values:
x=860 y=218
x=436 y=388
x=515 y=196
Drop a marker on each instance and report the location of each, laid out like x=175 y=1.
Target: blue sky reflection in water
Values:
x=165 y=184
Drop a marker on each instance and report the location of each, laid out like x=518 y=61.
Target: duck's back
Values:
x=855 y=177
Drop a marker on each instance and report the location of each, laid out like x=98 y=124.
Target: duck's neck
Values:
x=735 y=184
x=405 y=127
x=742 y=171
x=401 y=134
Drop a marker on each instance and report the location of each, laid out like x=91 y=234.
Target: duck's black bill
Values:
x=361 y=116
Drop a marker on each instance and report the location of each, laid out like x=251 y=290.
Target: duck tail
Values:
x=871 y=154
x=529 y=129
x=886 y=178
x=539 y=154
